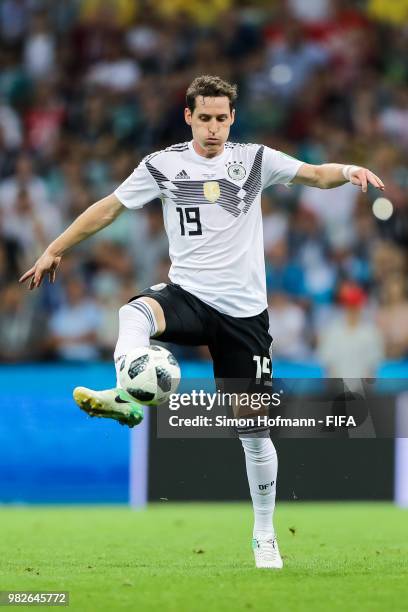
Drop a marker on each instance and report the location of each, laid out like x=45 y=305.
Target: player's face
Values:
x=210 y=123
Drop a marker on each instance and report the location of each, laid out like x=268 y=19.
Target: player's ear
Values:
x=232 y=116
x=187 y=116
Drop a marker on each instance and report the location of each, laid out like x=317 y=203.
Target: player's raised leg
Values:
x=138 y=322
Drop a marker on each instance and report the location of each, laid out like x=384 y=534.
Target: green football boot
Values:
x=110 y=404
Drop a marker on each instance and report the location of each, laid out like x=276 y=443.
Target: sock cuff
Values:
x=144 y=308
x=258 y=450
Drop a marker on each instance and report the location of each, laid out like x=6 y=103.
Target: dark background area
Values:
x=308 y=469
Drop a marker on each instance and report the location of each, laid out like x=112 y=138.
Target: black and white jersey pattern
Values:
x=233 y=198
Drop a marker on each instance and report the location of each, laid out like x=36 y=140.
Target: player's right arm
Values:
x=93 y=219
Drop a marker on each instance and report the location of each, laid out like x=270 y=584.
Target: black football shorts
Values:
x=240 y=347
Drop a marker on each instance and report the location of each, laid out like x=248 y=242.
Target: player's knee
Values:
x=157 y=312
x=125 y=312
x=128 y=313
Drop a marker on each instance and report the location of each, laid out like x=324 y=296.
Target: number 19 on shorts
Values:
x=263 y=366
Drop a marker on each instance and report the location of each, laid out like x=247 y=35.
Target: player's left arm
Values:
x=326 y=176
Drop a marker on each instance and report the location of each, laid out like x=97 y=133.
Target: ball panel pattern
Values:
x=163 y=378
x=172 y=360
x=149 y=374
x=138 y=366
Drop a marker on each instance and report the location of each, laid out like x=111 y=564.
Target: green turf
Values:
x=197 y=557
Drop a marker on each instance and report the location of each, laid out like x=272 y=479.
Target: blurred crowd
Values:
x=88 y=87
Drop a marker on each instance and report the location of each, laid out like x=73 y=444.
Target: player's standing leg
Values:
x=138 y=322
x=240 y=348
x=262 y=467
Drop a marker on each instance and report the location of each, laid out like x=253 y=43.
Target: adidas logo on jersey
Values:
x=182 y=175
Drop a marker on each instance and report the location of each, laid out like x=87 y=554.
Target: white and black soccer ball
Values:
x=150 y=374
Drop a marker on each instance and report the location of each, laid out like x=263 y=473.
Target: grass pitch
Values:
x=197 y=557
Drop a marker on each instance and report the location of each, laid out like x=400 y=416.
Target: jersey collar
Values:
x=206 y=160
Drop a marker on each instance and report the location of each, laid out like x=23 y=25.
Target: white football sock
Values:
x=137 y=324
x=262 y=468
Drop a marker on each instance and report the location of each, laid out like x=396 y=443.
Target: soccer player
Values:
x=211 y=194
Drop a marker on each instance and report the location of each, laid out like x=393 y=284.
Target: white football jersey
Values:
x=212 y=216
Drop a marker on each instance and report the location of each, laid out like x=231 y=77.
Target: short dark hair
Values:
x=212 y=87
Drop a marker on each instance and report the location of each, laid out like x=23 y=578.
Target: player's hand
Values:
x=46 y=264
x=362 y=177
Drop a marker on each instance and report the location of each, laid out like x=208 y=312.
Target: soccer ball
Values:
x=150 y=374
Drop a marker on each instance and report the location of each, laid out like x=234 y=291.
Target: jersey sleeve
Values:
x=277 y=167
x=138 y=189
